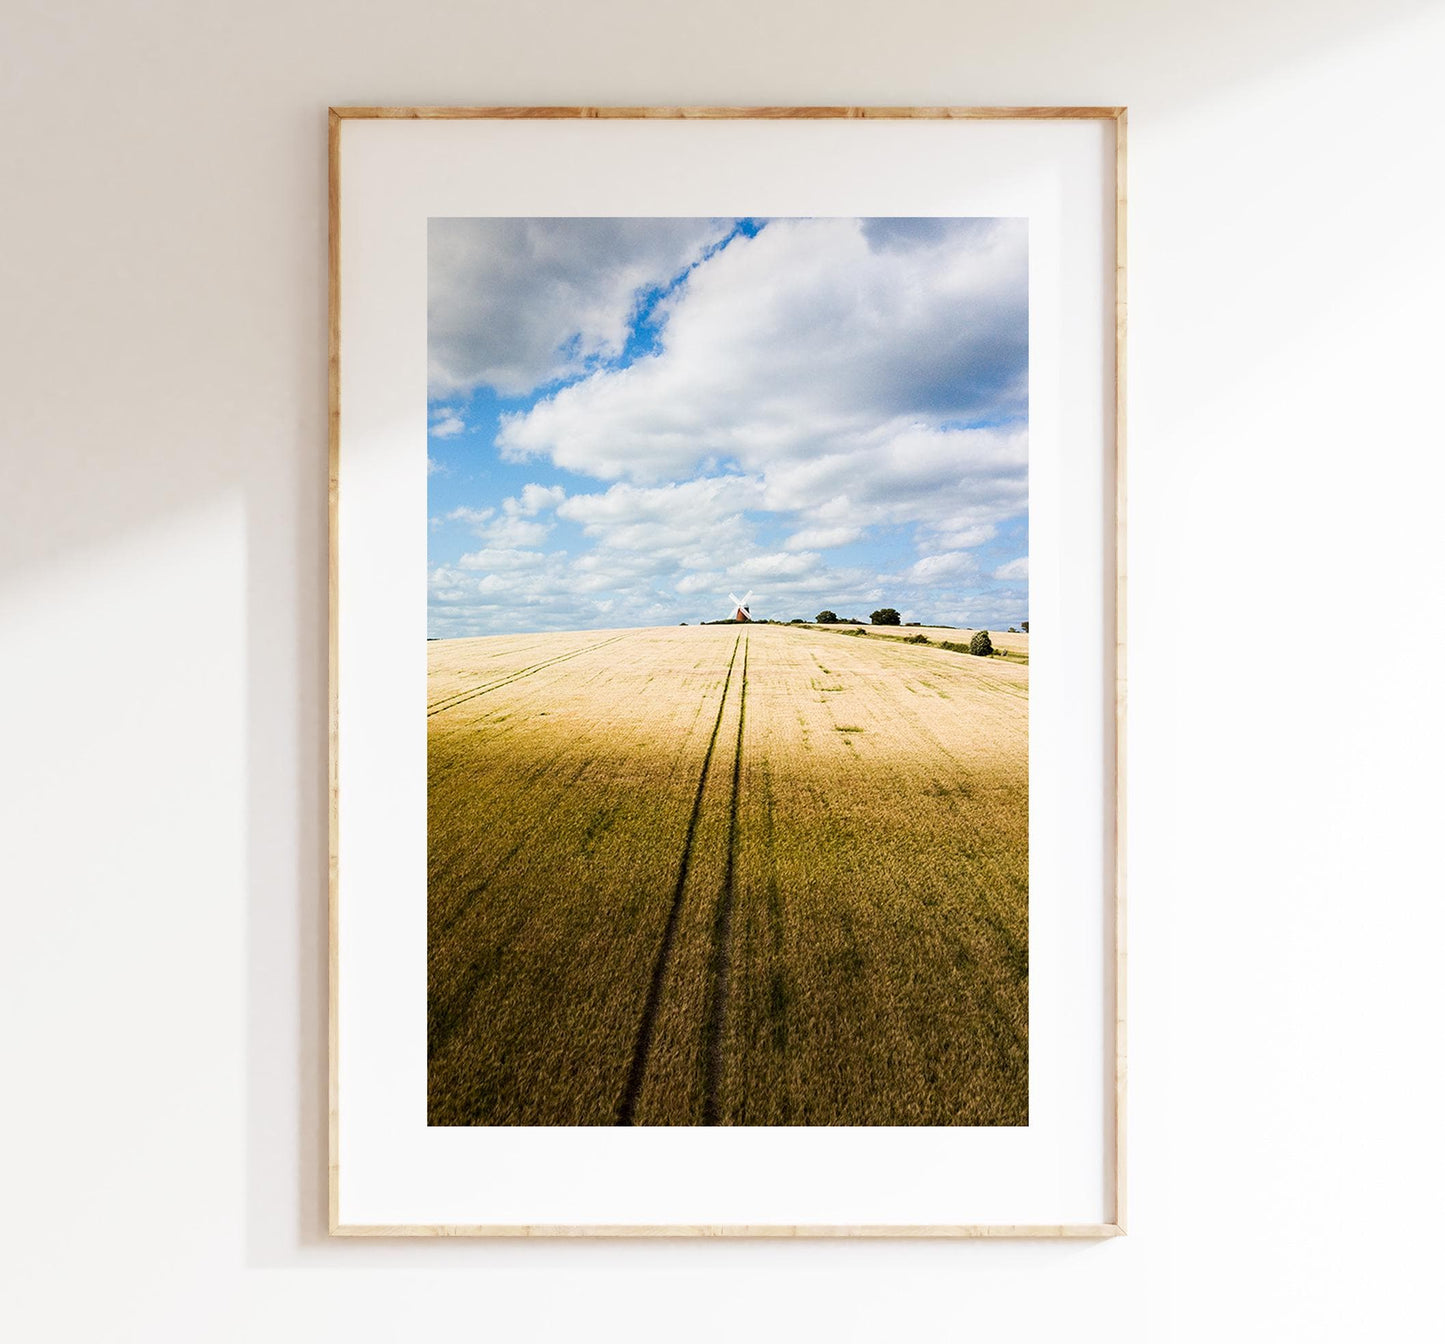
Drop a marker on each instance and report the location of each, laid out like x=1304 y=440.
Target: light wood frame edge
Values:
x=333 y=430
x=744 y=1231
x=1119 y=116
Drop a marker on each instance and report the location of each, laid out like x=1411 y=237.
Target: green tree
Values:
x=1024 y=626
x=981 y=646
x=827 y=617
x=886 y=616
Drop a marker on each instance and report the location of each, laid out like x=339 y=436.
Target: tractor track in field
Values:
x=452 y=701
x=722 y=938
x=446 y=923
x=642 y=1047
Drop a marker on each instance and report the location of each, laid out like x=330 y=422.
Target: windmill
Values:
x=741 y=611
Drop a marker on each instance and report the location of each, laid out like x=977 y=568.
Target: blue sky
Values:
x=630 y=419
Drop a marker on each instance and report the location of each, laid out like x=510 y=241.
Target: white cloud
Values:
x=518 y=527
x=955 y=535
x=535 y=498
x=780 y=565
x=493 y=590
x=516 y=532
x=446 y=422
x=804 y=340
x=822 y=538
x=956 y=483
x=494 y=558
x=473 y=518
x=991 y=611
x=516 y=303
x=833 y=363
x=698 y=581
x=1015 y=569
x=952 y=565
x=693 y=524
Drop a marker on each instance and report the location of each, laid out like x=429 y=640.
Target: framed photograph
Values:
x=713 y=850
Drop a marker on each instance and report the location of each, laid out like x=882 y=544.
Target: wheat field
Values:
x=735 y=874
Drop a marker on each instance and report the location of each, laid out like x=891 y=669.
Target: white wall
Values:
x=162 y=591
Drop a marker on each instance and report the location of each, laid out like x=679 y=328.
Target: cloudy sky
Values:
x=631 y=418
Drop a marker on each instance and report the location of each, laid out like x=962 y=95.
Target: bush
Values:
x=981 y=646
x=917 y=639
x=827 y=617
x=886 y=616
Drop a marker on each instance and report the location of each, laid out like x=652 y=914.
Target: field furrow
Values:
x=506 y=679
x=722 y=956
x=644 y=1068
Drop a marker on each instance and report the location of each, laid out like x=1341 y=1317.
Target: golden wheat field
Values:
x=734 y=874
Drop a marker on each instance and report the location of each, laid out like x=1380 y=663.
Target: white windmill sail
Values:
x=741 y=610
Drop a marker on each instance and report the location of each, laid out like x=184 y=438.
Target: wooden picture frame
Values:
x=1113 y=1224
